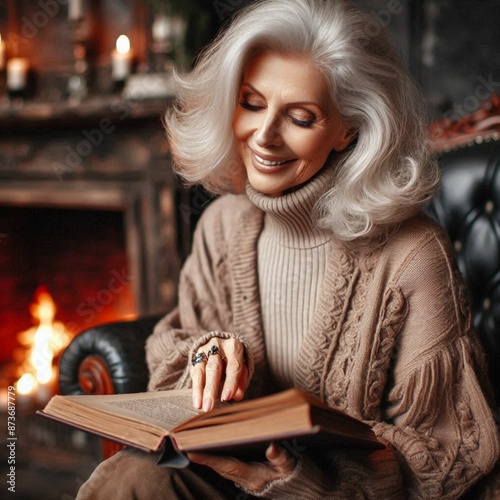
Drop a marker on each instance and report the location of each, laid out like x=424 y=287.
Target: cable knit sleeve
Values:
x=449 y=447
x=437 y=415
x=203 y=308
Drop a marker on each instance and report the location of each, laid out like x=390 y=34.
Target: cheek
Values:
x=310 y=146
x=241 y=125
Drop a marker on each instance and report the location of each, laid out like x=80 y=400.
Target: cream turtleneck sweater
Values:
x=292 y=256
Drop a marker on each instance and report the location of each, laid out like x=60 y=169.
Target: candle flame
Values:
x=123 y=44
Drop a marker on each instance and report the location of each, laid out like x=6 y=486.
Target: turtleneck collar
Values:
x=289 y=217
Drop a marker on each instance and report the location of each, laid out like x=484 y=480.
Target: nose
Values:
x=268 y=133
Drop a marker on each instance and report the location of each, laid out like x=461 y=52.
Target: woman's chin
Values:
x=266 y=190
x=270 y=184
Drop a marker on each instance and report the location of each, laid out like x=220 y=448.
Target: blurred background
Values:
x=93 y=225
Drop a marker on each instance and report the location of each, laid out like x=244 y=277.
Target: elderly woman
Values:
x=317 y=269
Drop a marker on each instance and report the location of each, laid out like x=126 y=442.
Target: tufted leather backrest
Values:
x=468 y=207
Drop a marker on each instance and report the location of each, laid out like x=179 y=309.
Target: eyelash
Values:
x=246 y=105
x=300 y=123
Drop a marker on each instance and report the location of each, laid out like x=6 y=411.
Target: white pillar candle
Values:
x=121 y=59
x=75 y=10
x=2 y=54
x=17 y=73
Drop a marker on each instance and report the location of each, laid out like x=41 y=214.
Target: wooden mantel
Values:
x=24 y=115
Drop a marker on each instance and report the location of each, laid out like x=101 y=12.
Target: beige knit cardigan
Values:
x=391 y=343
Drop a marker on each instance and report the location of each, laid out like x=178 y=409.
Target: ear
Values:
x=344 y=138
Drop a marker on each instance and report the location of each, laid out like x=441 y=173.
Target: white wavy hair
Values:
x=382 y=178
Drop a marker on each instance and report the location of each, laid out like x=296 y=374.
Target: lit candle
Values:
x=121 y=59
x=2 y=54
x=17 y=73
x=75 y=10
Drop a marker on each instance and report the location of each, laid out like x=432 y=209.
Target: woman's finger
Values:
x=198 y=377
x=236 y=371
x=239 y=394
x=280 y=460
x=213 y=374
x=252 y=475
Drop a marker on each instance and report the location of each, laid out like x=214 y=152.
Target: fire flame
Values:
x=43 y=342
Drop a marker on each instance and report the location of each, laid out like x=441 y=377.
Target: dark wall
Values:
x=458 y=52
x=450 y=46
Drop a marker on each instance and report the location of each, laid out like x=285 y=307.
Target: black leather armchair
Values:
x=468 y=207
x=111 y=358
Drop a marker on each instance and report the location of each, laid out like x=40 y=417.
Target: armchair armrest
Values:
x=107 y=359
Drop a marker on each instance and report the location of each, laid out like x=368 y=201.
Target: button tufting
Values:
x=468 y=200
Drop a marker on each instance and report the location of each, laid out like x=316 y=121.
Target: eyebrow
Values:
x=314 y=103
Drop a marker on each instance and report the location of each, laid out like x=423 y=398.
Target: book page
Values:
x=157 y=412
x=165 y=409
x=169 y=410
x=138 y=419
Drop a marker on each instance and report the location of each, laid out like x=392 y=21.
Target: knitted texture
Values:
x=292 y=256
x=390 y=342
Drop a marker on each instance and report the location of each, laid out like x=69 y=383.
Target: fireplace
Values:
x=87 y=215
x=94 y=222
x=79 y=256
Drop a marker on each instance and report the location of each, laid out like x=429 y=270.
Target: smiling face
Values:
x=285 y=123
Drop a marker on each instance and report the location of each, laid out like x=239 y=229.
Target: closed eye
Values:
x=302 y=123
x=301 y=117
x=251 y=107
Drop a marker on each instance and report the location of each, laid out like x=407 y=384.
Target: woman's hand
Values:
x=220 y=360
x=253 y=476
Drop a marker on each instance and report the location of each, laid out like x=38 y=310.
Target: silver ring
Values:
x=215 y=350
x=199 y=358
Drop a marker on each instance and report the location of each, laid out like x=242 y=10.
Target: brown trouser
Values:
x=133 y=475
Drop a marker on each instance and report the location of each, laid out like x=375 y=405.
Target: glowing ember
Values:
x=43 y=342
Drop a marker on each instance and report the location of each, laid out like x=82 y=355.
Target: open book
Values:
x=166 y=423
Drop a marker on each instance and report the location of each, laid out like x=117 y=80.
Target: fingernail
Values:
x=226 y=395
x=207 y=404
x=197 y=402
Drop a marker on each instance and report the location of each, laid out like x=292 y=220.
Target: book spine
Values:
x=171 y=456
